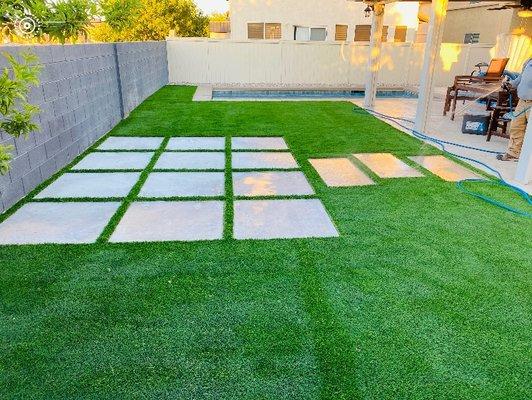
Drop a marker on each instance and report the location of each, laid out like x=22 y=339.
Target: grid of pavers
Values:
x=341 y=172
x=182 y=197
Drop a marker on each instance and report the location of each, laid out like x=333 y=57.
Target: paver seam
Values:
x=229 y=202
x=159 y=170
x=179 y=198
x=278 y=197
x=364 y=168
x=77 y=199
x=132 y=196
x=103 y=170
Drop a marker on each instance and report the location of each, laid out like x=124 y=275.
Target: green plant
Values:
x=59 y=20
x=73 y=17
x=16 y=113
x=119 y=13
x=219 y=17
x=131 y=20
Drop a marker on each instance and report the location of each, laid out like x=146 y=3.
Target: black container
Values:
x=475 y=124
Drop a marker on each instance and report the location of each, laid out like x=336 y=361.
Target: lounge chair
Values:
x=469 y=87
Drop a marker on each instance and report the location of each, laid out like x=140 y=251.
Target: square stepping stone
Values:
x=444 y=168
x=157 y=221
x=340 y=172
x=258 y=143
x=281 y=219
x=37 y=223
x=131 y=143
x=270 y=184
x=263 y=160
x=386 y=165
x=91 y=185
x=196 y=143
x=118 y=160
x=191 y=160
x=184 y=184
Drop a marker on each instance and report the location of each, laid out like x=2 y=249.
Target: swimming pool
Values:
x=236 y=94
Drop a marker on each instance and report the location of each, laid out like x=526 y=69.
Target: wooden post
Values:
x=432 y=49
x=375 y=45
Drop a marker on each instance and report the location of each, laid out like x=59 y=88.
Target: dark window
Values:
x=471 y=37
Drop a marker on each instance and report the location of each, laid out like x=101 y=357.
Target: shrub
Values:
x=16 y=113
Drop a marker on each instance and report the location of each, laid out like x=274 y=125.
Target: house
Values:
x=481 y=21
x=347 y=21
x=318 y=20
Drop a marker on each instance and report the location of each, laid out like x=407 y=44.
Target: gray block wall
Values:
x=85 y=90
x=141 y=71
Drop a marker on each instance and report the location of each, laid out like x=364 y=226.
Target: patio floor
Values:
x=310 y=273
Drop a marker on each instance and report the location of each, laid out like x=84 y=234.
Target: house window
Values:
x=341 y=33
x=318 y=34
x=272 y=31
x=256 y=30
x=301 y=33
x=363 y=33
x=261 y=30
x=304 y=33
x=400 y=34
x=471 y=37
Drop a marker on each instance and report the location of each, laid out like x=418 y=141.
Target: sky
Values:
x=210 y=6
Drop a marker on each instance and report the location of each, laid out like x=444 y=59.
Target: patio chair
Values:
x=496 y=67
x=497 y=120
x=469 y=87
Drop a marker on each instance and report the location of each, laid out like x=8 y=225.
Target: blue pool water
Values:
x=305 y=94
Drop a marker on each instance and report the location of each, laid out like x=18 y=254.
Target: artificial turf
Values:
x=426 y=294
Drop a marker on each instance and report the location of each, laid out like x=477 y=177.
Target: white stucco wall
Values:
x=316 y=13
x=476 y=19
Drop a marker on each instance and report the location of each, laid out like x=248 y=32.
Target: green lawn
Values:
x=425 y=295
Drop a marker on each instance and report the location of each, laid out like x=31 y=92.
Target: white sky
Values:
x=210 y=6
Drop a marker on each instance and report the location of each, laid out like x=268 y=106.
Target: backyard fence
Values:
x=85 y=91
x=291 y=63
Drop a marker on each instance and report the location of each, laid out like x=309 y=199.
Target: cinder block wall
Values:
x=143 y=70
x=85 y=90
